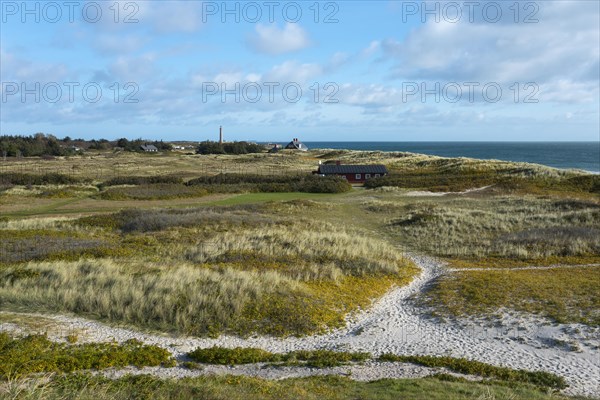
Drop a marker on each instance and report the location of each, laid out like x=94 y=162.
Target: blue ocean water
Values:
x=578 y=155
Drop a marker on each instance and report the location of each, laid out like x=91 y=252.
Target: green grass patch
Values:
x=35 y=353
x=470 y=367
x=159 y=191
x=279 y=183
x=243 y=388
x=310 y=358
x=249 y=198
x=562 y=294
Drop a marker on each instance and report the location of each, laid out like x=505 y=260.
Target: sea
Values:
x=565 y=155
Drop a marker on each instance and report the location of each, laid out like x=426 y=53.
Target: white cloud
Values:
x=118 y=43
x=272 y=40
x=561 y=51
x=293 y=71
x=171 y=16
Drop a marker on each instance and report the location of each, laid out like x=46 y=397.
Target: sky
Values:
x=319 y=71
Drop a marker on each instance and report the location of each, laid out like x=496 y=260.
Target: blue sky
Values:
x=331 y=71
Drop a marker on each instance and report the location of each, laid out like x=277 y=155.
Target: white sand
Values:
x=395 y=324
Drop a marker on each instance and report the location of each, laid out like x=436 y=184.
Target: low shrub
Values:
x=325 y=358
x=158 y=191
x=240 y=355
x=28 y=245
x=308 y=183
x=470 y=367
x=16 y=178
x=142 y=180
x=36 y=353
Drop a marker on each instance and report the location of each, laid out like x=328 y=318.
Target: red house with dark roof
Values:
x=353 y=173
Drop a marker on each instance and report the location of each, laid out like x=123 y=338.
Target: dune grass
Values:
x=202 y=271
x=243 y=388
x=564 y=295
x=498 y=227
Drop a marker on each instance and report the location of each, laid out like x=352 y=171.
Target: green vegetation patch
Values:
x=27 y=245
x=308 y=183
x=457 y=174
x=25 y=179
x=35 y=353
x=242 y=388
x=159 y=191
x=562 y=294
x=142 y=180
x=507 y=227
x=470 y=367
x=311 y=358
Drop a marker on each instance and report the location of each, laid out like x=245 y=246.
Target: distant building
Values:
x=296 y=144
x=274 y=147
x=149 y=148
x=353 y=173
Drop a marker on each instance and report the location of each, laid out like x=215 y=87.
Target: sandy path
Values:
x=527 y=268
x=396 y=324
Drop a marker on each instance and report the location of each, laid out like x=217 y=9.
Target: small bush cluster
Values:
x=240 y=355
x=209 y=147
x=35 y=353
x=159 y=191
x=308 y=183
x=142 y=180
x=470 y=367
x=53 y=178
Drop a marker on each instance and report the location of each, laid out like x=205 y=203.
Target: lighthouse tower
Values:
x=220 y=134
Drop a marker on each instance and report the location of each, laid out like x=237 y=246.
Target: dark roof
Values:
x=296 y=145
x=149 y=147
x=352 y=169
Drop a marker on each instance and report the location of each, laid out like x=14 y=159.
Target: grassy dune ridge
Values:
x=525 y=228
x=206 y=271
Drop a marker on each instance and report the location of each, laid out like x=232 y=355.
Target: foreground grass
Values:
x=328 y=358
x=538 y=378
x=564 y=295
x=243 y=388
x=35 y=353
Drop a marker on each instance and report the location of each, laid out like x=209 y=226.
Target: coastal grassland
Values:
x=444 y=387
x=202 y=271
x=439 y=174
x=520 y=228
x=566 y=295
x=503 y=232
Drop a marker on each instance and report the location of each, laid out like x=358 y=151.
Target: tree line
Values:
x=40 y=145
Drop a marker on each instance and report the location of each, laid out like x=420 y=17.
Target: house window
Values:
x=344 y=177
x=377 y=175
x=367 y=176
x=358 y=176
